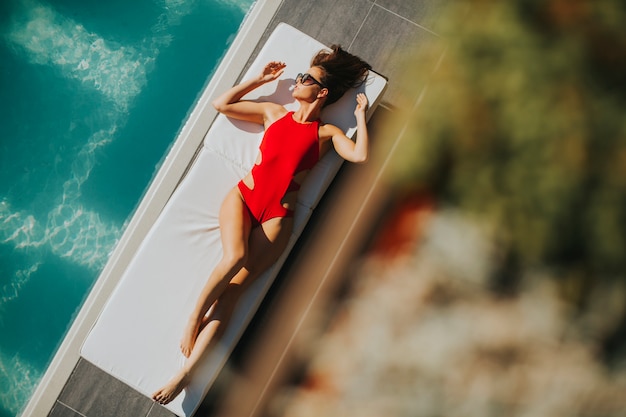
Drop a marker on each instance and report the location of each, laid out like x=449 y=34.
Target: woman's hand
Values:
x=361 y=104
x=272 y=71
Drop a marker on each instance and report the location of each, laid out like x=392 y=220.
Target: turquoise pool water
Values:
x=92 y=95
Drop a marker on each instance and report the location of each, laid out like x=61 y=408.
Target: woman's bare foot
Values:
x=175 y=385
x=189 y=338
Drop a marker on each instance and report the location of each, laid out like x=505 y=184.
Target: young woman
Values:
x=256 y=217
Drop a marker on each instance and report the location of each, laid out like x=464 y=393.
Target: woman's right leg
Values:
x=235 y=226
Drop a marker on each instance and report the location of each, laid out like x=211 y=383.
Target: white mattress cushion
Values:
x=136 y=337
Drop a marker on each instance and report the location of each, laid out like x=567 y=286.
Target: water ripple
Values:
x=17 y=381
x=119 y=72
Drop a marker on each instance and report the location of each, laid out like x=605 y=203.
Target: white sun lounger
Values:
x=136 y=337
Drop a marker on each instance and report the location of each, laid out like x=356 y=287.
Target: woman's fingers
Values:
x=361 y=102
x=361 y=99
x=273 y=69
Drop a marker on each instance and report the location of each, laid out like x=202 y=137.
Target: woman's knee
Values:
x=235 y=258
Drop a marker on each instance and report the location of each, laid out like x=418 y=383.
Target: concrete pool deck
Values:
x=378 y=31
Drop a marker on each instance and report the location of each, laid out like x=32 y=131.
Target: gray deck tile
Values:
x=328 y=21
x=159 y=411
x=384 y=42
x=61 y=410
x=425 y=13
x=95 y=393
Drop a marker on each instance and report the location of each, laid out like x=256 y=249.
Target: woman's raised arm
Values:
x=357 y=151
x=231 y=105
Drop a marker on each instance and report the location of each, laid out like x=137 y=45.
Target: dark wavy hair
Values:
x=341 y=71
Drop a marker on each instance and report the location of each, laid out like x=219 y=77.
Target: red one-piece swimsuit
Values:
x=287 y=148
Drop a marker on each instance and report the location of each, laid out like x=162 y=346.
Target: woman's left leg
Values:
x=266 y=244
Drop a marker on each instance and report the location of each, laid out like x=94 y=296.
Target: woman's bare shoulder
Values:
x=273 y=112
x=328 y=131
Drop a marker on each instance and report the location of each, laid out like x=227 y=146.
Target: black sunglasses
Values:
x=307 y=79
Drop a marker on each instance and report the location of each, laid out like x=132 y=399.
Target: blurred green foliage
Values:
x=522 y=126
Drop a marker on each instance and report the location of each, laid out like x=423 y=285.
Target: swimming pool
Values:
x=93 y=94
